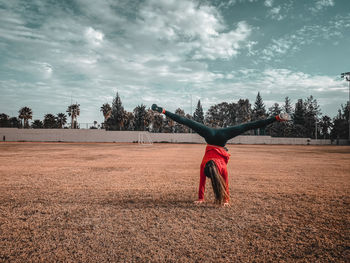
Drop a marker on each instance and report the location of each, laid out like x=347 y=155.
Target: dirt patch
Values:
x=101 y=202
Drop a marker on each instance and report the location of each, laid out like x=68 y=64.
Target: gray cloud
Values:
x=149 y=51
x=307 y=35
x=322 y=4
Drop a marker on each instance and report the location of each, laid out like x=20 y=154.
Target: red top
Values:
x=220 y=156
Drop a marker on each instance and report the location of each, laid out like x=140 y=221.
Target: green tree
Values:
x=345 y=111
x=299 y=113
x=50 y=121
x=346 y=114
x=168 y=125
x=149 y=120
x=288 y=127
x=37 y=124
x=179 y=128
x=128 y=121
x=287 y=107
x=198 y=115
x=244 y=111
x=275 y=129
x=140 y=117
x=61 y=120
x=106 y=111
x=340 y=127
x=275 y=109
x=74 y=111
x=187 y=129
x=26 y=114
x=157 y=125
x=312 y=113
x=116 y=119
x=4 y=120
x=325 y=125
x=298 y=128
x=259 y=113
x=93 y=127
x=14 y=122
x=221 y=115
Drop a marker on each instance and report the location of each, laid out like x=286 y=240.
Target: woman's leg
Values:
x=220 y=136
x=231 y=132
x=199 y=128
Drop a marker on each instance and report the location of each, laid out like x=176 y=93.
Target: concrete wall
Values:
x=92 y=135
x=67 y=135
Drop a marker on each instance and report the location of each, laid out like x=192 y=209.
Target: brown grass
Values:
x=103 y=202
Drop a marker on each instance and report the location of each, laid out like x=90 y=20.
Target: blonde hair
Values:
x=217 y=182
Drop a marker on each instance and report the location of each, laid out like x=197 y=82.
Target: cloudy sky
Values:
x=170 y=52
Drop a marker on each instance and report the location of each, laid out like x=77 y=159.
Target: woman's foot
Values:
x=222 y=204
x=283 y=117
x=156 y=108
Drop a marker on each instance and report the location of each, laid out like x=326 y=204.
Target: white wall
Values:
x=67 y=135
x=94 y=135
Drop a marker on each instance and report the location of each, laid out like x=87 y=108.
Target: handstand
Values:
x=214 y=163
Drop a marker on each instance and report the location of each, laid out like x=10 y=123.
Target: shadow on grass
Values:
x=143 y=203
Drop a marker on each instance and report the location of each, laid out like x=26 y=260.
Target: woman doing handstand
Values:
x=214 y=163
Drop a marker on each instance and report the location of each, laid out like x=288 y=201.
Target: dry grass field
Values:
x=111 y=202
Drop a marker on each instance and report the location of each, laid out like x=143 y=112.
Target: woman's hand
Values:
x=199 y=202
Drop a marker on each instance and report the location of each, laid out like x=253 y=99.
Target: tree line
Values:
x=306 y=115
x=50 y=121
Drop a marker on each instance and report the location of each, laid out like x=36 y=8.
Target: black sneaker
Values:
x=156 y=108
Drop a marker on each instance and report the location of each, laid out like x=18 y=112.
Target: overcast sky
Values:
x=53 y=53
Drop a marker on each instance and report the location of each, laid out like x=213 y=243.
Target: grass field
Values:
x=99 y=202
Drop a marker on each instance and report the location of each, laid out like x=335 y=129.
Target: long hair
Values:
x=217 y=182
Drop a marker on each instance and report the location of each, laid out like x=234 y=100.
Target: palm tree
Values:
x=106 y=110
x=26 y=114
x=50 y=121
x=37 y=124
x=14 y=122
x=61 y=120
x=74 y=111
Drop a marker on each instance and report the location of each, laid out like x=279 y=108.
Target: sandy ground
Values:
x=102 y=202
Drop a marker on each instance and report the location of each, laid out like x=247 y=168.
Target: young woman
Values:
x=214 y=163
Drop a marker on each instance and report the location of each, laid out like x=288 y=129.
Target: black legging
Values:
x=219 y=137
